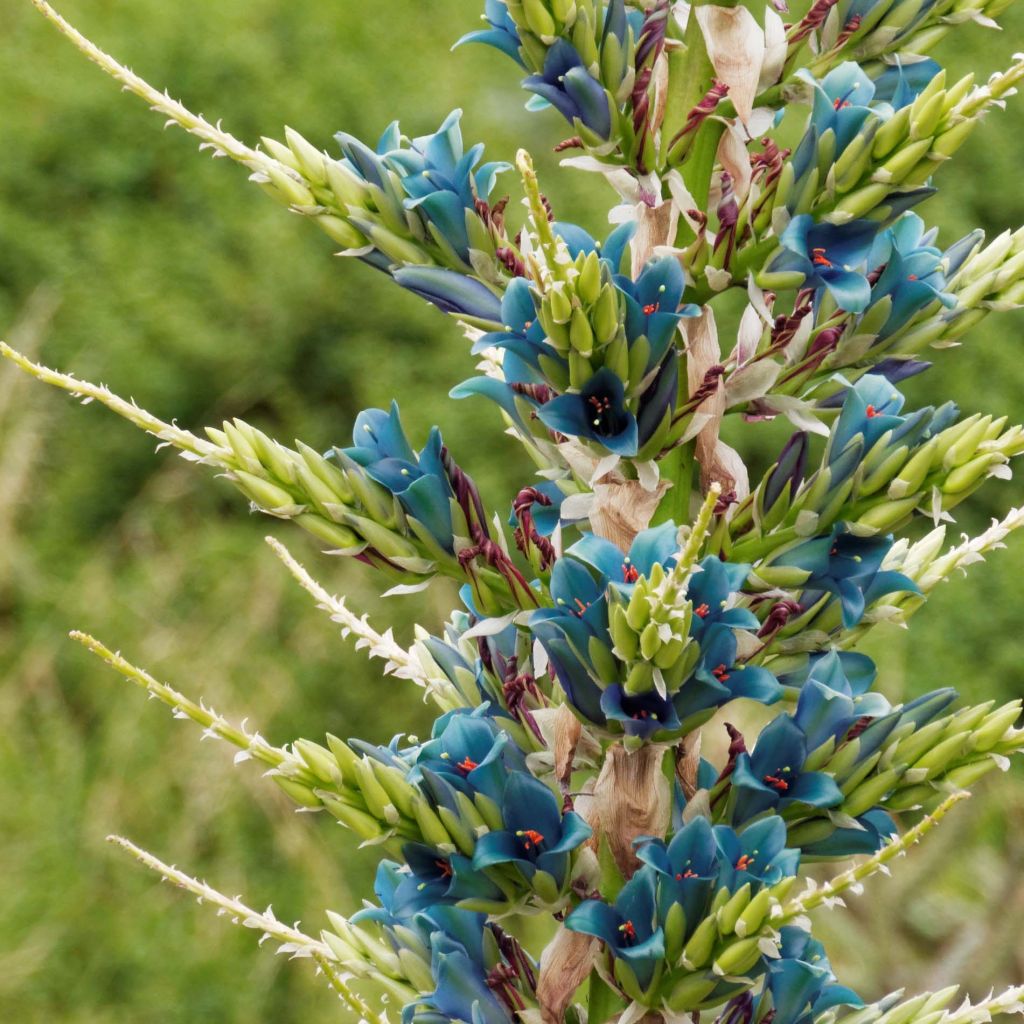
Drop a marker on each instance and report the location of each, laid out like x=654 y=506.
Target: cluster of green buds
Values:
x=880 y=28
x=921 y=761
x=990 y=279
x=727 y=944
x=366 y=953
x=650 y=629
x=874 y=488
x=582 y=316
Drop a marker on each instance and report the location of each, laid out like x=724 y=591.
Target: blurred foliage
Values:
x=127 y=258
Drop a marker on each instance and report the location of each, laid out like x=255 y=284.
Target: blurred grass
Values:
x=126 y=257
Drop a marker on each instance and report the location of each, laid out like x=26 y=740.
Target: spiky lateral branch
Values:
x=335 y=501
x=212 y=136
x=933 y=1008
x=367 y=216
x=416 y=665
x=829 y=893
x=289 y=938
x=370 y=798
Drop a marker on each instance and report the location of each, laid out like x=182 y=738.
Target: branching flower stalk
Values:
x=643 y=587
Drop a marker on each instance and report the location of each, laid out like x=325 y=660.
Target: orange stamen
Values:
x=744 y=862
x=702 y=610
x=531 y=838
x=466 y=765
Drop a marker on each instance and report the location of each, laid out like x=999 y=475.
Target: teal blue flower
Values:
x=773 y=776
x=597 y=413
x=536 y=835
x=849 y=567
x=628 y=927
x=419 y=482
x=832 y=257
x=566 y=84
x=800 y=982
x=687 y=870
x=758 y=855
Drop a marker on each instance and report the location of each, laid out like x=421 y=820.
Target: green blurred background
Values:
x=127 y=257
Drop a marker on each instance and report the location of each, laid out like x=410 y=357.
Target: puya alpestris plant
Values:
x=642 y=583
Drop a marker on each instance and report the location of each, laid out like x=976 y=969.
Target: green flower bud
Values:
x=738 y=957
x=697 y=952
x=690 y=992
x=730 y=913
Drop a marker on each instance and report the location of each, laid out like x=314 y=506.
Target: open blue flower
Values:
x=569 y=87
x=628 y=927
x=642 y=715
x=913 y=276
x=718 y=678
x=849 y=567
x=841 y=102
x=462 y=992
x=831 y=257
x=536 y=835
x=830 y=700
x=597 y=413
x=800 y=981
x=653 y=304
x=773 y=775
x=757 y=855
x=438 y=878
x=711 y=590
x=419 y=482
x=502 y=33
x=441 y=181
x=470 y=752
x=687 y=869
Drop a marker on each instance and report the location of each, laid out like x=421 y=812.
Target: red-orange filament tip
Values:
x=702 y=611
x=776 y=782
x=630 y=573
x=818 y=257
x=744 y=862
x=720 y=672
x=466 y=765
x=531 y=838
x=628 y=931
x=651 y=307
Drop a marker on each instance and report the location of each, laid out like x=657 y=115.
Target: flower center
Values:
x=651 y=307
x=871 y=412
x=686 y=874
x=628 y=931
x=776 y=781
x=720 y=672
x=444 y=867
x=819 y=259
x=702 y=610
x=530 y=837
x=630 y=573
x=580 y=609
x=744 y=862
x=466 y=765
